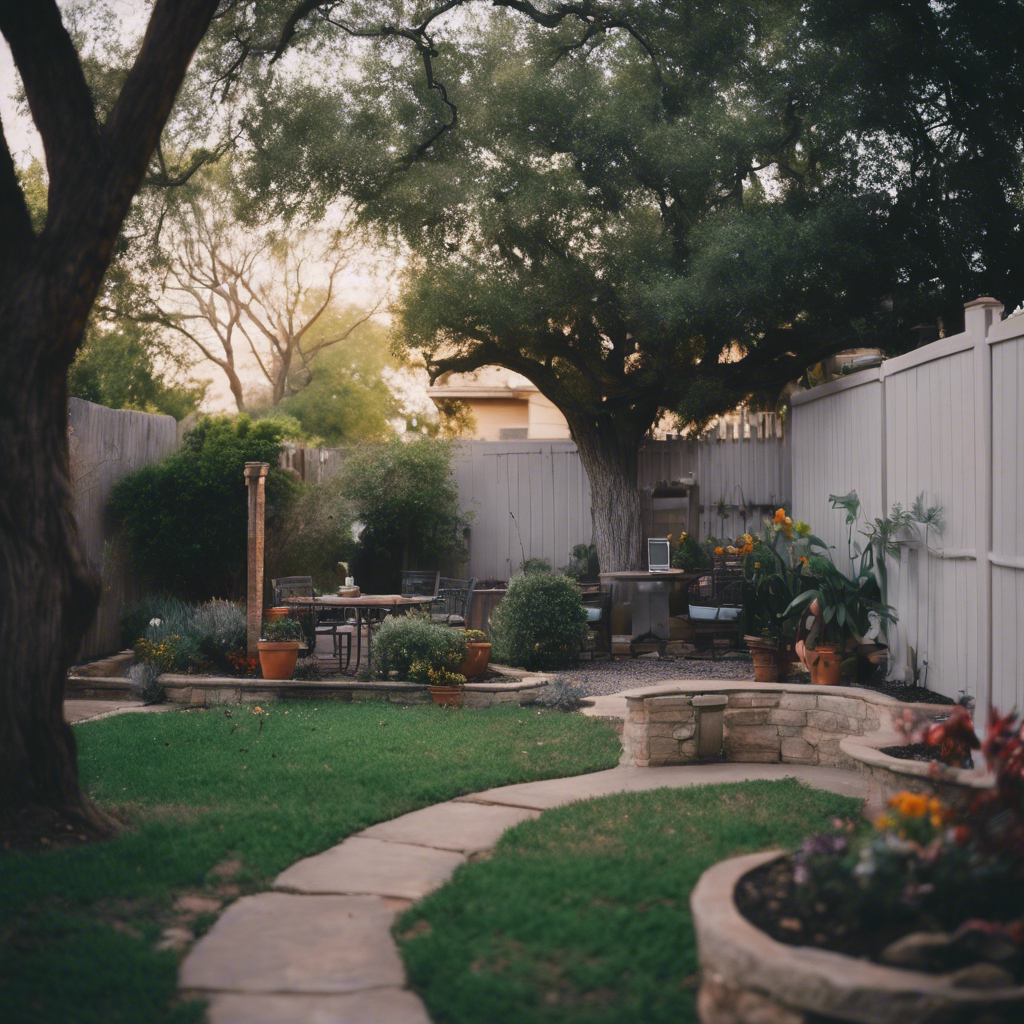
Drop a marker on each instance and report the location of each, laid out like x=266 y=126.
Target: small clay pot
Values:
x=449 y=696
x=278 y=657
x=765 y=656
x=824 y=662
x=276 y=614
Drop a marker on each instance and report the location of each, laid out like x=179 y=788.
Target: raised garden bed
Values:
x=748 y=975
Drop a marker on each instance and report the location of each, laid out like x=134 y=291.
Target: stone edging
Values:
x=764 y=722
x=748 y=975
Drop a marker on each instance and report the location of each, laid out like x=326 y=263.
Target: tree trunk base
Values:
x=37 y=829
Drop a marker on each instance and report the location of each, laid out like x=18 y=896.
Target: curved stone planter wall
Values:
x=889 y=775
x=747 y=976
x=764 y=722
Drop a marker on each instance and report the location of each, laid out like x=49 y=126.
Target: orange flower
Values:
x=803 y=560
x=780 y=515
x=719 y=551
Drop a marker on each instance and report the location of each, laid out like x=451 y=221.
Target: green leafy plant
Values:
x=281 y=629
x=405 y=495
x=540 y=622
x=690 y=555
x=404 y=641
x=476 y=636
x=184 y=519
x=584 y=564
x=530 y=565
x=421 y=672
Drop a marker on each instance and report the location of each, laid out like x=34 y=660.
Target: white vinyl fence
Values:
x=947 y=422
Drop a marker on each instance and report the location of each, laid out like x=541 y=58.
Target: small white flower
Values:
x=156 y=622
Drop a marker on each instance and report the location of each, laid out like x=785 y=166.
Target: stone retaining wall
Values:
x=766 y=722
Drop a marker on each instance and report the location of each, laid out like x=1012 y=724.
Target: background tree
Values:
x=258 y=292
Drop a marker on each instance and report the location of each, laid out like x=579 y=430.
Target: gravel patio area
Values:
x=606 y=677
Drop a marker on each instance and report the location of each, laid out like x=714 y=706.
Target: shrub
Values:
x=419 y=672
x=144 y=680
x=308 y=669
x=184 y=519
x=136 y=618
x=183 y=638
x=563 y=695
x=540 y=622
x=404 y=493
x=584 y=564
x=530 y=565
x=403 y=641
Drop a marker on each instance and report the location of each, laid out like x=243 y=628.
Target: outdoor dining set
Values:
x=350 y=615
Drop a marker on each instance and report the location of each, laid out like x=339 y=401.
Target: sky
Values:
x=25 y=144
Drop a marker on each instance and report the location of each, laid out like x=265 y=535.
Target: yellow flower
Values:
x=757 y=565
x=788 y=521
x=882 y=822
x=803 y=529
x=669 y=538
x=731 y=550
x=910 y=805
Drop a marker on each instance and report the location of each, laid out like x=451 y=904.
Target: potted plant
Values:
x=276 y=614
x=279 y=648
x=689 y=555
x=478 y=654
x=445 y=686
x=835 y=614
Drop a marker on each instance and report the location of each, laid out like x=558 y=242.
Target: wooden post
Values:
x=255 y=480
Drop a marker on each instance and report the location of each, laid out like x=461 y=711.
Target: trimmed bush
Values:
x=185 y=518
x=540 y=623
x=563 y=695
x=403 y=641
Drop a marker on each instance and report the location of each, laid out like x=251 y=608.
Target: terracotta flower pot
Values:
x=450 y=696
x=475 y=663
x=824 y=661
x=766 y=658
x=278 y=657
x=276 y=614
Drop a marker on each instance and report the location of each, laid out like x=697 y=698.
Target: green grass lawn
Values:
x=217 y=802
x=583 y=916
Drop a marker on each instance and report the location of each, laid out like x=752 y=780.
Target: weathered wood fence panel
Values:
x=104 y=445
x=945 y=422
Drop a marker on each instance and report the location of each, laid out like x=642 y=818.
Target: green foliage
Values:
x=691 y=556
x=136 y=618
x=117 y=368
x=184 y=519
x=584 y=564
x=532 y=565
x=204 y=790
x=314 y=535
x=280 y=630
x=540 y=622
x=342 y=396
x=403 y=641
x=404 y=493
x=208 y=638
x=596 y=895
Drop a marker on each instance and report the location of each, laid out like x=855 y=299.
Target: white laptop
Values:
x=659 y=554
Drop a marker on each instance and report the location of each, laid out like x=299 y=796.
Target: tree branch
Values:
x=58 y=96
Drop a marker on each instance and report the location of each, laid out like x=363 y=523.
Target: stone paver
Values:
x=281 y=958
x=452 y=826
x=311 y=945
x=87 y=710
x=376 y=1006
x=543 y=796
x=370 y=866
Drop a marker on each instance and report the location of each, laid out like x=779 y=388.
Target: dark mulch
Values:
x=47 y=828
x=767 y=898
x=908 y=694
x=920 y=752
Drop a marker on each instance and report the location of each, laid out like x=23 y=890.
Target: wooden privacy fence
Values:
x=105 y=444
x=945 y=421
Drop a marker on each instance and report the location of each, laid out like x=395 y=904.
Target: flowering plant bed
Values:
x=937 y=885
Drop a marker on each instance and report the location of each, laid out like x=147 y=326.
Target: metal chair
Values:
x=454 y=601
x=416 y=583
x=715 y=603
x=316 y=620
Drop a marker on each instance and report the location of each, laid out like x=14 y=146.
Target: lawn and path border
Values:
x=320 y=947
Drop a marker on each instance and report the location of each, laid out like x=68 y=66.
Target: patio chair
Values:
x=416 y=583
x=317 y=621
x=454 y=601
x=715 y=604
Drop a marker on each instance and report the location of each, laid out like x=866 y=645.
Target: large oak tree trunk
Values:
x=47 y=594
x=610 y=453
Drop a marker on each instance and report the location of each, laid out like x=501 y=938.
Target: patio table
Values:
x=364 y=606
